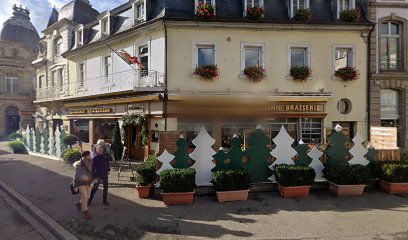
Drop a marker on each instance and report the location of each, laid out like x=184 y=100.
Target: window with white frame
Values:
x=298 y=4
x=299 y=56
x=144 y=60
x=54 y=78
x=42 y=82
x=343 y=57
x=251 y=4
x=252 y=55
x=205 y=54
x=11 y=81
x=60 y=73
x=140 y=11
x=79 y=37
x=343 y=5
x=105 y=26
x=107 y=67
x=81 y=74
x=391 y=46
x=57 y=48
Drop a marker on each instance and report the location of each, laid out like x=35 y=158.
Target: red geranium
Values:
x=255 y=12
x=207 y=72
x=347 y=73
x=255 y=73
x=205 y=10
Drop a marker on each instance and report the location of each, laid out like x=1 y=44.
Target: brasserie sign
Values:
x=90 y=110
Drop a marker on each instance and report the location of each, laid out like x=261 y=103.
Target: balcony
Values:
x=131 y=80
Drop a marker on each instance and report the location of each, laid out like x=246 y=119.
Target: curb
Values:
x=49 y=223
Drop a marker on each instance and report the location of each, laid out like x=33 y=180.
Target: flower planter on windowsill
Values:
x=144 y=191
x=229 y=196
x=181 y=198
x=294 y=192
x=346 y=190
x=394 y=188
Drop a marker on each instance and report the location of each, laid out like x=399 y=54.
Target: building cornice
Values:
x=388 y=5
x=59 y=24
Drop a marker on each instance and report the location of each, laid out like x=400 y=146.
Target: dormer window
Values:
x=252 y=4
x=57 y=48
x=295 y=5
x=79 y=37
x=105 y=29
x=345 y=5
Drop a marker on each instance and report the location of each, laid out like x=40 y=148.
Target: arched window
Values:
x=391 y=45
x=57 y=48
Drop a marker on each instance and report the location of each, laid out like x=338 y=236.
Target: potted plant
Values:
x=255 y=73
x=346 y=179
x=300 y=72
x=394 y=178
x=70 y=140
x=231 y=185
x=16 y=136
x=207 y=72
x=146 y=174
x=71 y=155
x=255 y=12
x=294 y=181
x=205 y=10
x=347 y=73
x=178 y=186
x=17 y=146
x=302 y=14
x=352 y=15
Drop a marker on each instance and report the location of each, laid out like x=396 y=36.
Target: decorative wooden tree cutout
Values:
x=181 y=157
x=165 y=158
x=235 y=154
x=203 y=156
x=316 y=164
x=58 y=151
x=52 y=149
x=337 y=150
x=371 y=154
x=63 y=134
x=37 y=140
x=46 y=137
x=283 y=152
x=258 y=154
x=302 y=150
x=358 y=151
x=220 y=161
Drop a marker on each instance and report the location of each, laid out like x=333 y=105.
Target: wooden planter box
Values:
x=229 y=196
x=144 y=191
x=394 y=188
x=178 y=198
x=294 y=192
x=346 y=190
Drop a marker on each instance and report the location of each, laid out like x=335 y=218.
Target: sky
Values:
x=41 y=9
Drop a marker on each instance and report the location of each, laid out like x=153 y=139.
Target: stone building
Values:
x=18 y=47
x=389 y=66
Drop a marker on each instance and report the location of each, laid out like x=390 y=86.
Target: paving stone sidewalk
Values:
x=264 y=216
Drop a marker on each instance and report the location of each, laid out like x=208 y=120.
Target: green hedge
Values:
x=15 y=136
x=376 y=167
x=292 y=175
x=394 y=172
x=71 y=155
x=146 y=172
x=177 y=180
x=346 y=174
x=231 y=180
x=70 y=140
x=17 y=147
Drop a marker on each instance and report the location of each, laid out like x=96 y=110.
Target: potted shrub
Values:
x=71 y=155
x=17 y=147
x=255 y=12
x=16 y=136
x=231 y=185
x=346 y=179
x=352 y=15
x=394 y=178
x=294 y=181
x=70 y=140
x=178 y=186
x=300 y=72
x=205 y=10
x=207 y=72
x=347 y=73
x=146 y=174
x=302 y=15
x=255 y=73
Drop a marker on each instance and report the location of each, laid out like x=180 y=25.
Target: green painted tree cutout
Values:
x=62 y=137
x=235 y=154
x=181 y=155
x=31 y=142
x=37 y=140
x=258 y=155
x=220 y=161
x=303 y=159
x=45 y=140
x=337 y=150
x=371 y=154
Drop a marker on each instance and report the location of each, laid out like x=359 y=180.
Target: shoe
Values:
x=87 y=215
x=106 y=203
x=79 y=207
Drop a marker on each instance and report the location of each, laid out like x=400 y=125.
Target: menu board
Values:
x=384 y=138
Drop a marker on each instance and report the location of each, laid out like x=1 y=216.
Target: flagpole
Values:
x=121 y=57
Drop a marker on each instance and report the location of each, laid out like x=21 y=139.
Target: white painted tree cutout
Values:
x=165 y=158
x=358 y=151
x=203 y=157
x=57 y=135
x=283 y=152
x=28 y=141
x=316 y=164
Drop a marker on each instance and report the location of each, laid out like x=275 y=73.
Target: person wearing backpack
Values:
x=82 y=181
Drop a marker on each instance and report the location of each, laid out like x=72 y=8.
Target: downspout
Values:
x=165 y=97
x=369 y=81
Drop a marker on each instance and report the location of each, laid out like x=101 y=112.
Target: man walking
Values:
x=100 y=173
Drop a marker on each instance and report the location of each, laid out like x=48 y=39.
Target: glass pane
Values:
x=143 y=50
x=394 y=53
x=395 y=29
x=384 y=53
x=252 y=57
x=342 y=58
x=205 y=56
x=298 y=56
x=384 y=29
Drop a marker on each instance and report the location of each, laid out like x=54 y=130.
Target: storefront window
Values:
x=241 y=129
x=105 y=128
x=192 y=129
x=81 y=129
x=311 y=130
x=290 y=124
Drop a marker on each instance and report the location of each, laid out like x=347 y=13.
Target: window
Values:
x=41 y=82
x=343 y=5
x=140 y=12
x=299 y=56
x=107 y=67
x=60 y=77
x=192 y=127
x=311 y=130
x=80 y=128
x=344 y=106
x=251 y=4
x=391 y=112
x=81 y=77
x=57 y=48
x=298 y=4
x=105 y=26
x=79 y=37
x=390 y=46
x=206 y=55
x=11 y=81
x=252 y=55
x=54 y=79
x=212 y=2
x=144 y=60
x=343 y=57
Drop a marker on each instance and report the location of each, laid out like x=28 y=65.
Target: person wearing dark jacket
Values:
x=82 y=181
x=100 y=173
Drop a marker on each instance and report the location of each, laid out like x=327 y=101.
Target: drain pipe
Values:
x=165 y=97
x=369 y=82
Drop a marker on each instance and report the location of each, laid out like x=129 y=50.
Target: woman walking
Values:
x=82 y=181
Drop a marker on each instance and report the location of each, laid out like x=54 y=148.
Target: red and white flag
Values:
x=129 y=59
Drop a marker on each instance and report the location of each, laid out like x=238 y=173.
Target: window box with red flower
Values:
x=205 y=10
x=255 y=73
x=302 y=15
x=301 y=73
x=347 y=73
x=207 y=72
x=352 y=15
x=255 y=13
